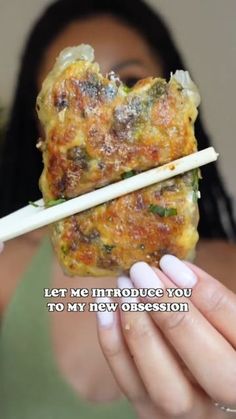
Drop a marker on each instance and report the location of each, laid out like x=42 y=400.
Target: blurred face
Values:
x=117 y=47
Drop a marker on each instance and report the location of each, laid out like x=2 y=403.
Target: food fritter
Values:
x=98 y=131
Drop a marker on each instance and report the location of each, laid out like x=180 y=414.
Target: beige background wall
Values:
x=205 y=30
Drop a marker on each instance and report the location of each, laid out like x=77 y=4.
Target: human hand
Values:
x=174 y=364
x=1 y=247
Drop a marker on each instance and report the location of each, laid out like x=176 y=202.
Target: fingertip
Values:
x=105 y=317
x=124 y=281
x=178 y=271
x=166 y=260
x=143 y=276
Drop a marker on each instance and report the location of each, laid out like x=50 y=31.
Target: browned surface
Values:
x=95 y=132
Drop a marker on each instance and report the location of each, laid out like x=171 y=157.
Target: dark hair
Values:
x=21 y=163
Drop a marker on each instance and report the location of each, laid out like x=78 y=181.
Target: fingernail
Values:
x=143 y=276
x=105 y=318
x=1 y=246
x=123 y=282
x=177 y=271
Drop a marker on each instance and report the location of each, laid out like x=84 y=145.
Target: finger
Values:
x=213 y=299
x=117 y=355
x=1 y=246
x=121 y=363
x=209 y=357
x=163 y=378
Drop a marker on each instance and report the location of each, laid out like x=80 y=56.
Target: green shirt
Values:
x=31 y=386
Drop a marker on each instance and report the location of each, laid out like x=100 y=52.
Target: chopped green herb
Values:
x=195 y=197
x=195 y=184
x=108 y=247
x=127 y=89
x=65 y=250
x=162 y=211
x=126 y=175
x=55 y=202
x=49 y=203
x=158 y=89
x=57 y=228
x=195 y=180
x=34 y=204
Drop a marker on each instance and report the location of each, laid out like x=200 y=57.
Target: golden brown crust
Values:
x=108 y=239
x=97 y=132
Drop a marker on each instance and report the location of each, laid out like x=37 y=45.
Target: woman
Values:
x=165 y=365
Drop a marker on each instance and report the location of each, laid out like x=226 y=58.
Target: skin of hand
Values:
x=173 y=364
x=1 y=247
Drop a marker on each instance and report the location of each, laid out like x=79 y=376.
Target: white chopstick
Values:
x=30 y=218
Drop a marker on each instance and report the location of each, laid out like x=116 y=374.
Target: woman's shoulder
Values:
x=218 y=258
x=14 y=260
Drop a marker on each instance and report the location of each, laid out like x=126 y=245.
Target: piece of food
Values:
x=98 y=131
